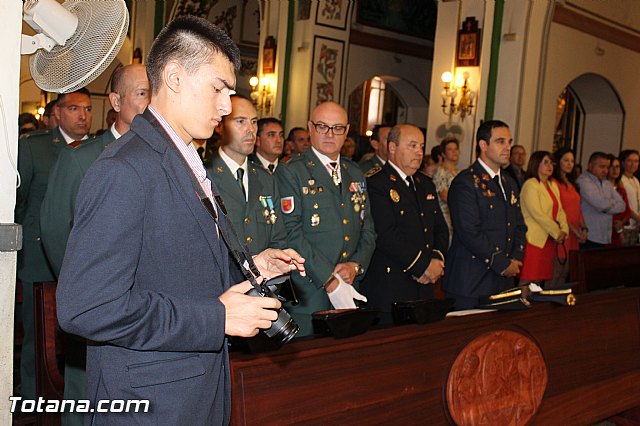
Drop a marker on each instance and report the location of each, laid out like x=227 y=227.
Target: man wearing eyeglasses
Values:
x=37 y=153
x=327 y=214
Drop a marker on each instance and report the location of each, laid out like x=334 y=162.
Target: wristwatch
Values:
x=358 y=269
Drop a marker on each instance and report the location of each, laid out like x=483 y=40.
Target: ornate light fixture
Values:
x=261 y=95
x=465 y=105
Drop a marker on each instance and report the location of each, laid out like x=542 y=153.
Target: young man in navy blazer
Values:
x=146 y=276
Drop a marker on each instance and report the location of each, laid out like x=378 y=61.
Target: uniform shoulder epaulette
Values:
x=372 y=171
x=35 y=133
x=294 y=159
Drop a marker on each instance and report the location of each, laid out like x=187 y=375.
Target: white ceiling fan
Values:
x=75 y=41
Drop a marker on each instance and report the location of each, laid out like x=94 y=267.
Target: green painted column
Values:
x=287 y=63
x=495 y=58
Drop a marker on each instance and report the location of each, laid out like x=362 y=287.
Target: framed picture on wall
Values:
x=333 y=13
x=326 y=70
x=468 y=52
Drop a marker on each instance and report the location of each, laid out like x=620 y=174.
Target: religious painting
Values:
x=333 y=13
x=411 y=17
x=326 y=73
x=468 y=52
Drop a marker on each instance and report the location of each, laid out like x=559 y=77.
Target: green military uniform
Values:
x=257 y=221
x=56 y=214
x=56 y=221
x=370 y=163
x=325 y=224
x=37 y=153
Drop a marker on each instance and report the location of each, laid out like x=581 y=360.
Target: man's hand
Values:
x=347 y=271
x=513 y=269
x=274 y=262
x=245 y=315
x=433 y=273
x=582 y=238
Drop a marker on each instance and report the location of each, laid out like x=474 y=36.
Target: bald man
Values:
x=412 y=233
x=328 y=219
x=129 y=96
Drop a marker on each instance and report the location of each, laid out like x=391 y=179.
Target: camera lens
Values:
x=283 y=329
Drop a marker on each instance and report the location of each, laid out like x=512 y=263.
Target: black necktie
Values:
x=239 y=176
x=411 y=183
x=271 y=167
x=496 y=179
x=201 y=152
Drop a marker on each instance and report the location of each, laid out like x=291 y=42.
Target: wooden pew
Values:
x=597 y=269
x=48 y=347
x=399 y=375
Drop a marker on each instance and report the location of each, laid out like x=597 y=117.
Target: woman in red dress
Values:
x=545 y=219
x=564 y=175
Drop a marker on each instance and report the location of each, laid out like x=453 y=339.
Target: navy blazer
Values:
x=140 y=280
x=488 y=231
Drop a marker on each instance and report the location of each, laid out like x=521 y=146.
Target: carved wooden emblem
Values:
x=497 y=379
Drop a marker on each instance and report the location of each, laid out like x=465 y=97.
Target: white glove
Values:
x=534 y=288
x=342 y=297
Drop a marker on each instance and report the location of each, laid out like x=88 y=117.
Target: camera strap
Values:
x=243 y=258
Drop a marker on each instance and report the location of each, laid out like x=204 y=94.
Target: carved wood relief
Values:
x=498 y=378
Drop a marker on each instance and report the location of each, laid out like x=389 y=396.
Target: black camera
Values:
x=284 y=328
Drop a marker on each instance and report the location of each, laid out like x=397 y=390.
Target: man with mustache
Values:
x=248 y=190
x=488 y=227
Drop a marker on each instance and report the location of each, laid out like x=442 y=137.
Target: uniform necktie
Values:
x=411 y=183
x=271 y=167
x=201 y=152
x=239 y=177
x=496 y=179
x=334 y=173
x=75 y=144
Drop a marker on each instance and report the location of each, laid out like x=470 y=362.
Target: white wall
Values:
x=11 y=12
x=572 y=53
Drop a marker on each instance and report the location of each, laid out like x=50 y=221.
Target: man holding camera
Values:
x=146 y=277
x=327 y=214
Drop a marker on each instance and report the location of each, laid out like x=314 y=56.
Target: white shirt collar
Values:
x=114 y=132
x=231 y=164
x=402 y=174
x=488 y=169
x=266 y=162
x=68 y=139
x=326 y=162
x=381 y=160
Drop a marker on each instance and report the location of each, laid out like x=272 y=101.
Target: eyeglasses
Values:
x=323 y=129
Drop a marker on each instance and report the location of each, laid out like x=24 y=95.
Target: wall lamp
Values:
x=261 y=95
x=464 y=106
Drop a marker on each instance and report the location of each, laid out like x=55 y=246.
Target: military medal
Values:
x=514 y=200
x=315 y=219
x=268 y=209
x=312 y=181
x=220 y=170
x=305 y=190
x=395 y=197
x=312 y=190
x=320 y=189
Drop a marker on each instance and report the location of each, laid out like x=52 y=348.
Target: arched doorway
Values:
x=386 y=99
x=589 y=117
